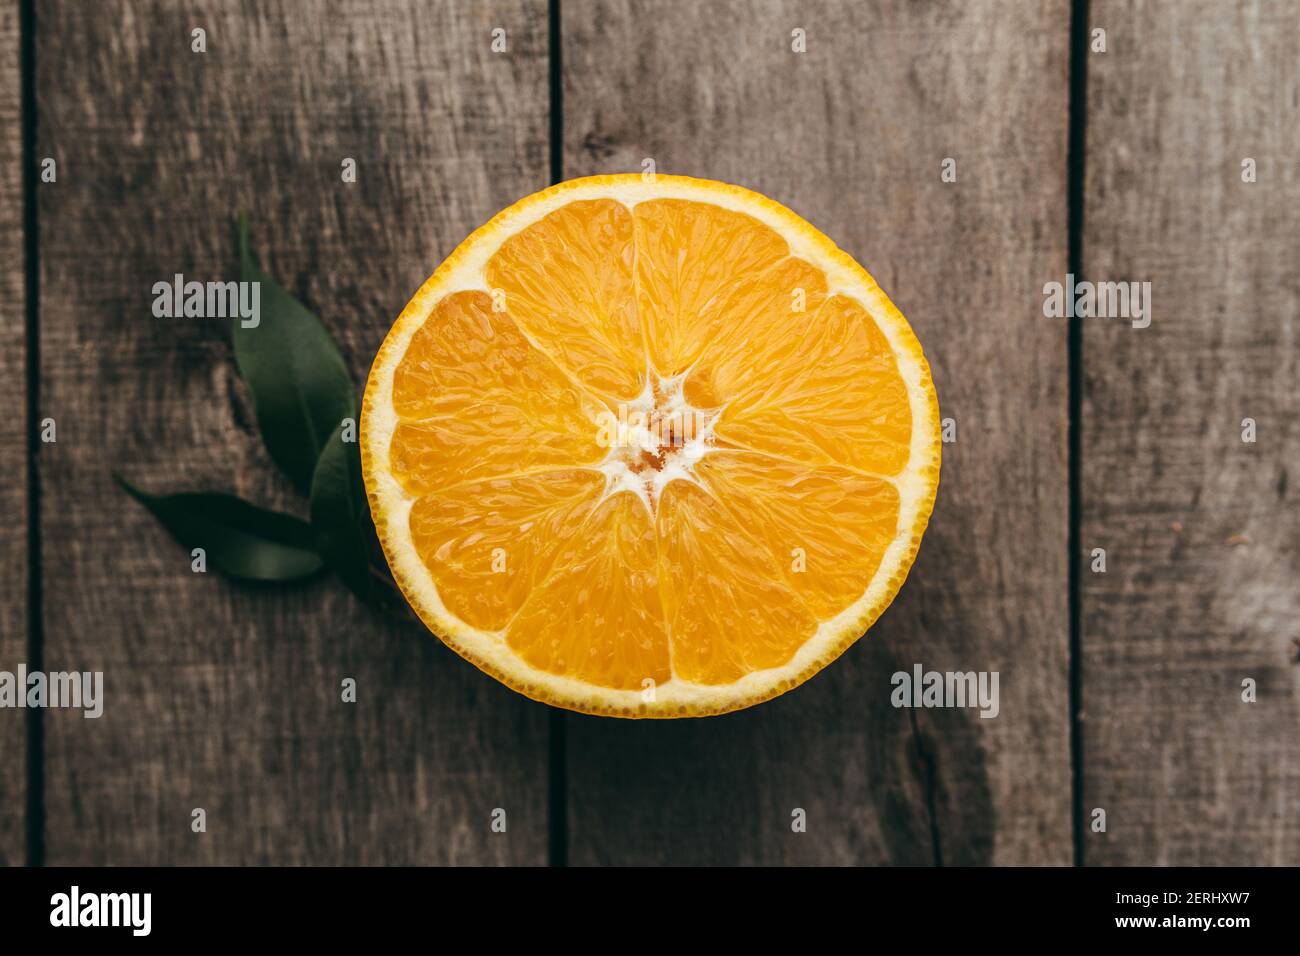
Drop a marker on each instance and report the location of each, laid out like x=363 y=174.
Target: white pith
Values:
x=466 y=270
x=622 y=466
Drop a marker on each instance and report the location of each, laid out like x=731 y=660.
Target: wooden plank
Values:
x=223 y=697
x=13 y=440
x=1199 y=527
x=851 y=134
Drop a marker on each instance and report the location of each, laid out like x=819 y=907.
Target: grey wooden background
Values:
x=1119 y=691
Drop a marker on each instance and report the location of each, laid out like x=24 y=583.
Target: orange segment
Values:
x=568 y=282
x=841 y=401
x=599 y=617
x=476 y=400
x=676 y=458
x=692 y=260
x=729 y=610
x=770 y=317
x=827 y=528
x=488 y=544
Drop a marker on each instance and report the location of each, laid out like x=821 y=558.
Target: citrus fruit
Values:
x=650 y=447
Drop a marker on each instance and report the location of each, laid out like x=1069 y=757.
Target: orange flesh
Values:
x=622 y=567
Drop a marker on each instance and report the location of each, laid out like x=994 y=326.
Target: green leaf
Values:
x=300 y=384
x=241 y=540
x=340 y=513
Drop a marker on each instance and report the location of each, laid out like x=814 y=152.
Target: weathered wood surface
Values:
x=223 y=697
x=226 y=698
x=13 y=441
x=1200 y=528
x=851 y=135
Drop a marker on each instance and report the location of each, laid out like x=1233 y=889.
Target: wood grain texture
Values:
x=851 y=135
x=1200 y=528
x=13 y=440
x=223 y=697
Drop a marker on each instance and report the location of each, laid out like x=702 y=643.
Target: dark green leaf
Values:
x=241 y=540
x=300 y=384
x=340 y=514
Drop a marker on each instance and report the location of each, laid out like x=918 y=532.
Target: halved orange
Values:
x=650 y=446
